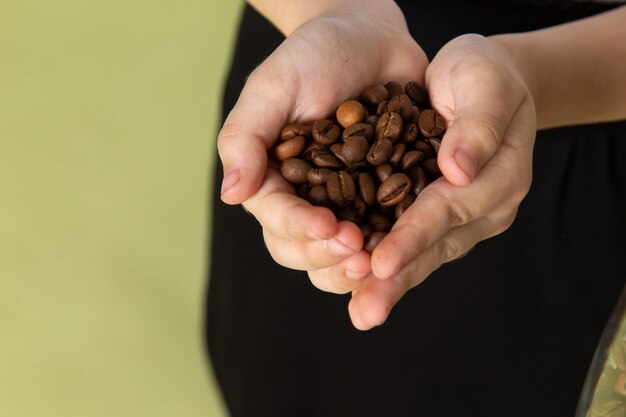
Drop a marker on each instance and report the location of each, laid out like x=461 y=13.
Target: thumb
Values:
x=477 y=124
x=249 y=131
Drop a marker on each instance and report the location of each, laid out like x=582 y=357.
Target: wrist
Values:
x=287 y=16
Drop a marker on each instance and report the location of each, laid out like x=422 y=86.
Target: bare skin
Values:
x=494 y=93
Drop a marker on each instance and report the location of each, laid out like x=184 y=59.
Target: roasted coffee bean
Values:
x=409 y=133
x=295 y=129
x=393 y=88
x=359 y=129
x=418 y=180
x=325 y=132
x=318 y=195
x=290 y=148
x=350 y=112
x=374 y=94
x=347 y=213
x=411 y=159
x=398 y=152
x=393 y=189
x=372 y=120
x=431 y=168
x=379 y=223
x=389 y=126
x=435 y=143
x=431 y=123
x=324 y=159
x=359 y=208
x=425 y=148
x=295 y=170
x=403 y=205
x=310 y=148
x=401 y=104
x=380 y=152
x=383 y=172
x=417 y=93
x=341 y=188
x=303 y=191
x=381 y=108
x=317 y=176
x=372 y=240
x=355 y=149
x=416 y=115
x=367 y=189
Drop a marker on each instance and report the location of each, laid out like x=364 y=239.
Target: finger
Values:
x=373 y=300
x=343 y=277
x=315 y=254
x=251 y=128
x=478 y=103
x=287 y=216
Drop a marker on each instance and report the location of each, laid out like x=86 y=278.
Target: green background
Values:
x=108 y=117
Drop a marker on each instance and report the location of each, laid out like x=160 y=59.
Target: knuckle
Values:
x=450 y=249
x=486 y=132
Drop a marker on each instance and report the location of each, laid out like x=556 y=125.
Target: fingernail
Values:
x=354 y=275
x=466 y=162
x=337 y=248
x=230 y=179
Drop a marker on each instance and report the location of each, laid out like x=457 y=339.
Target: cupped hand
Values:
x=322 y=63
x=485 y=157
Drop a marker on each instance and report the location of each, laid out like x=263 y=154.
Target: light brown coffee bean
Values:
x=431 y=123
x=295 y=129
x=317 y=176
x=295 y=170
x=290 y=148
x=393 y=190
x=350 y=112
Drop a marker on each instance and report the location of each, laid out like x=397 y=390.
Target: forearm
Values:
x=288 y=15
x=576 y=72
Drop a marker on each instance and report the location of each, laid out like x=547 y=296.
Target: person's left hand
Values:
x=486 y=158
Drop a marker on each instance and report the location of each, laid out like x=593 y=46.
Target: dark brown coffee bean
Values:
x=431 y=123
x=379 y=223
x=416 y=115
x=303 y=191
x=418 y=179
x=374 y=94
x=290 y=148
x=398 y=152
x=409 y=133
x=372 y=120
x=341 y=188
x=318 y=196
x=393 y=88
x=393 y=189
x=404 y=205
x=347 y=213
x=317 y=176
x=324 y=159
x=381 y=108
x=417 y=93
x=411 y=159
x=401 y=104
x=435 y=143
x=310 y=147
x=380 y=152
x=295 y=170
x=359 y=129
x=355 y=149
x=350 y=112
x=425 y=148
x=295 y=129
x=372 y=240
x=389 y=126
x=325 y=132
x=431 y=168
x=367 y=188
x=359 y=208
x=383 y=172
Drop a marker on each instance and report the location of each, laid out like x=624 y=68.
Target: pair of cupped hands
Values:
x=485 y=155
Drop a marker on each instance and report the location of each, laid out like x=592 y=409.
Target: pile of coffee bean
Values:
x=370 y=161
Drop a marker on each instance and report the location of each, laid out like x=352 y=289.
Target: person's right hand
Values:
x=323 y=62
